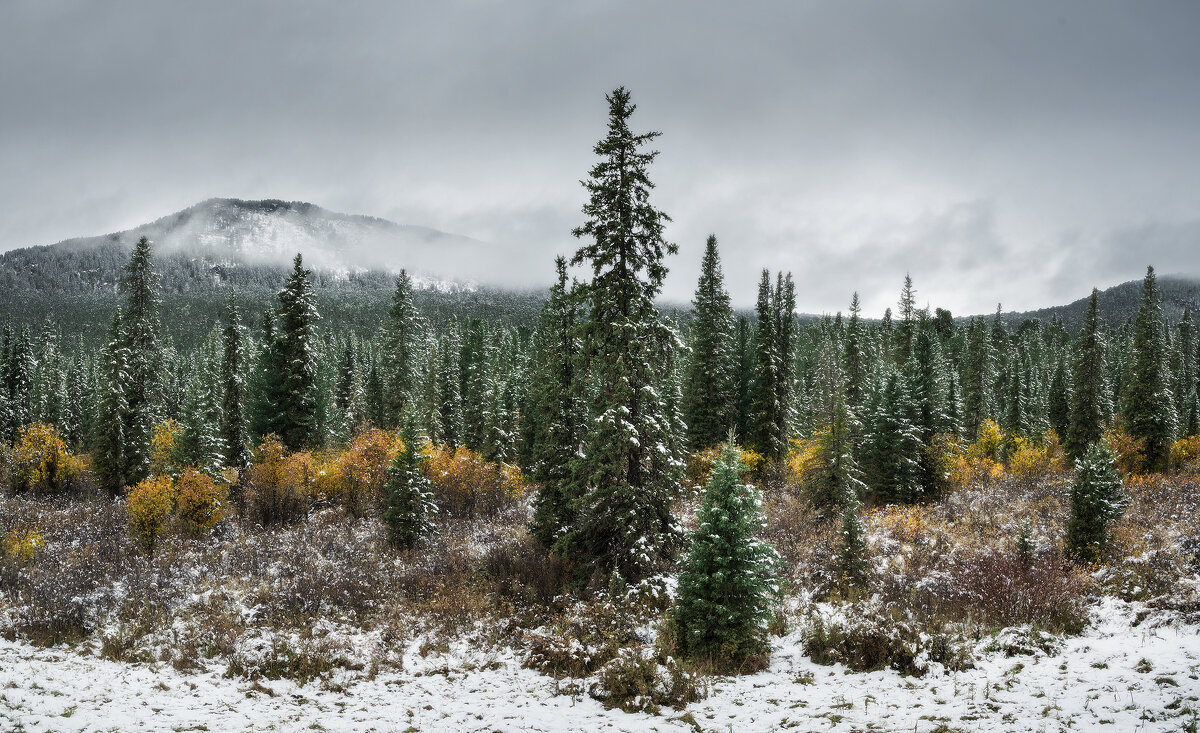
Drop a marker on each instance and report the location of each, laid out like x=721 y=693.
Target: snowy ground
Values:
x=1097 y=681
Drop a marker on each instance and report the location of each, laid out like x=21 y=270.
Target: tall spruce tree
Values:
x=764 y=434
x=556 y=412
x=108 y=441
x=265 y=385
x=449 y=396
x=627 y=476
x=1061 y=391
x=1147 y=406
x=784 y=307
x=144 y=398
x=892 y=446
x=709 y=393
x=832 y=473
x=729 y=577
x=1089 y=393
x=401 y=338
x=233 y=388
x=978 y=376
x=854 y=357
x=297 y=345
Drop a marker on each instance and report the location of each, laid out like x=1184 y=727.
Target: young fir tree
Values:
x=1147 y=406
x=264 y=389
x=296 y=342
x=144 y=403
x=401 y=338
x=108 y=440
x=833 y=471
x=1097 y=499
x=708 y=387
x=892 y=446
x=978 y=372
x=853 y=561
x=556 y=412
x=729 y=578
x=408 y=504
x=1088 y=379
x=1059 y=402
x=854 y=357
x=626 y=474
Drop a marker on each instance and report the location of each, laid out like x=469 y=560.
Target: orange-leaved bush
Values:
x=466 y=485
x=200 y=501
x=148 y=506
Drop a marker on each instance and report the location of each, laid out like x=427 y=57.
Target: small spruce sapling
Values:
x=729 y=577
x=1097 y=499
x=853 y=561
x=409 y=507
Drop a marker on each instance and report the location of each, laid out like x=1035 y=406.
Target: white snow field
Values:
x=1119 y=675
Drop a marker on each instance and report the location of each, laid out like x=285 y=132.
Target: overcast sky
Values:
x=998 y=151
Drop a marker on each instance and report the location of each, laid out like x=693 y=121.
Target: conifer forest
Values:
x=282 y=498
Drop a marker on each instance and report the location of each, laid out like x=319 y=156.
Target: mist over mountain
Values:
x=230 y=232
x=202 y=251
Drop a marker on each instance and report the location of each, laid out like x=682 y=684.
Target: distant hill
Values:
x=1120 y=303
x=206 y=249
x=225 y=233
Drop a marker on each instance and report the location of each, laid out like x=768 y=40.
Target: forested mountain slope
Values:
x=248 y=245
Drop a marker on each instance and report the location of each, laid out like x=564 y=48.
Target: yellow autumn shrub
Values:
x=1185 y=454
x=41 y=464
x=162 y=448
x=356 y=477
x=1031 y=460
x=466 y=485
x=148 y=506
x=699 y=465
x=200 y=501
x=978 y=461
x=21 y=545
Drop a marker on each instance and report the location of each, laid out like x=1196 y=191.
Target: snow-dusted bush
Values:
x=201 y=501
x=148 y=505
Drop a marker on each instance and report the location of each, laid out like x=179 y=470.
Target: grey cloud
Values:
x=985 y=147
